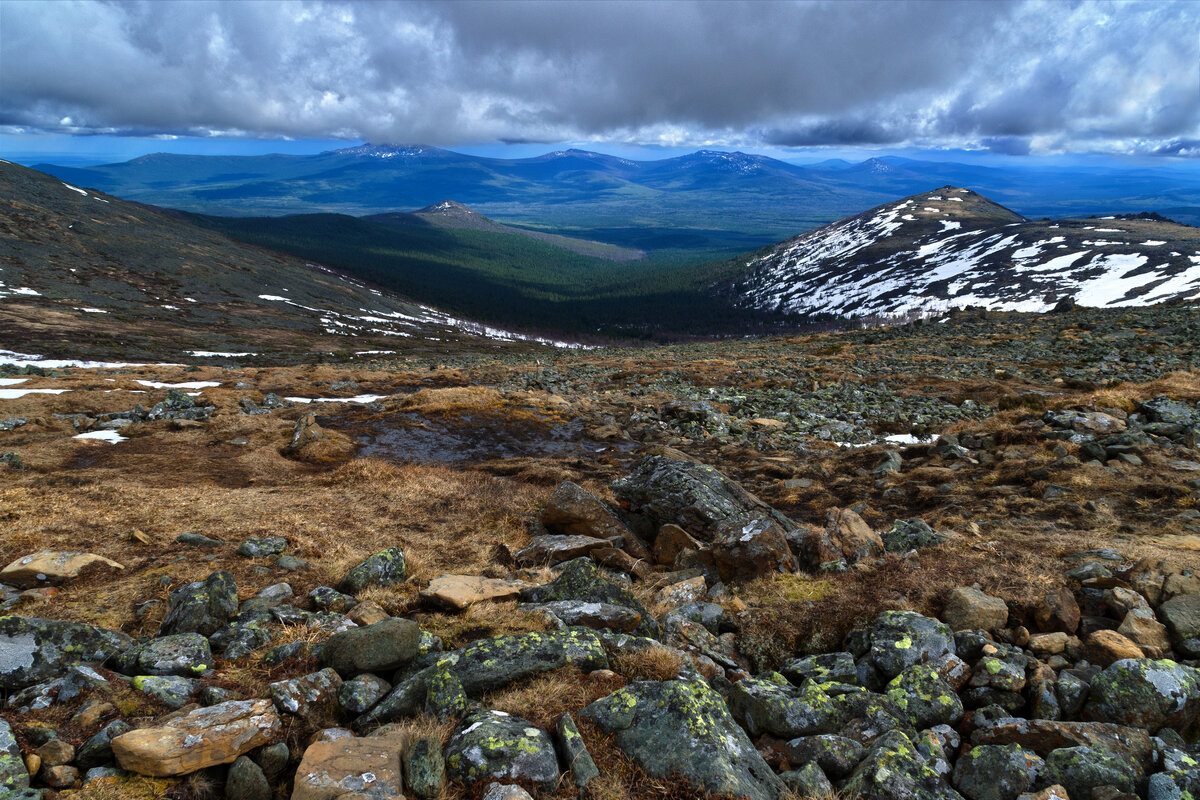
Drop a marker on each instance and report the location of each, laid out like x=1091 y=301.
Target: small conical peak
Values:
x=446 y=207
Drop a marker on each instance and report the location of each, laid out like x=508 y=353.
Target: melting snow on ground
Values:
x=216 y=354
x=75 y=189
x=362 y=398
x=184 y=385
x=13 y=394
x=104 y=436
x=12 y=381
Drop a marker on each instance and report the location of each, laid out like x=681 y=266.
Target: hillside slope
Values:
x=82 y=272
x=953 y=248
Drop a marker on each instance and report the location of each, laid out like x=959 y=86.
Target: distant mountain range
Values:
x=953 y=248
x=83 y=273
x=726 y=202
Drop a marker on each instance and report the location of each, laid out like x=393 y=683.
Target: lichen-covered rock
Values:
x=381 y=647
x=1081 y=769
x=268 y=597
x=894 y=769
x=1182 y=616
x=326 y=598
x=97 y=750
x=77 y=680
x=768 y=703
x=314 y=696
x=13 y=774
x=808 y=781
x=836 y=667
x=1045 y=736
x=837 y=756
x=591 y=615
x=262 y=546
x=1145 y=694
x=245 y=633
x=580 y=580
x=34 y=650
x=172 y=690
x=445 y=697
x=424 y=767
x=996 y=772
x=492 y=744
x=199 y=739
x=201 y=607
x=366 y=768
x=684 y=726
x=553 y=549
x=358 y=695
x=179 y=654
x=900 y=639
x=1176 y=784
x=694 y=496
x=573 y=752
x=385 y=568
x=924 y=698
x=489 y=664
x=910 y=534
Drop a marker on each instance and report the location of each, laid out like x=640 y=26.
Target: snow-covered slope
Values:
x=953 y=248
x=90 y=274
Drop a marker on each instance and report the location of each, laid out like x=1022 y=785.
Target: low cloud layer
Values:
x=1020 y=76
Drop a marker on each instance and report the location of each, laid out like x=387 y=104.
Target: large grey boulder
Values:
x=385 y=568
x=900 y=639
x=1079 y=770
x=201 y=607
x=34 y=650
x=684 y=726
x=493 y=744
x=694 y=496
x=996 y=772
x=768 y=703
x=1145 y=694
x=580 y=580
x=381 y=647
x=894 y=769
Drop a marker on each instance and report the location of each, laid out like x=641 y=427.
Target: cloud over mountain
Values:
x=1025 y=74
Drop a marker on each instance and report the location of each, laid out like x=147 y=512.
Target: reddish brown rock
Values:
x=1105 y=647
x=201 y=738
x=1058 y=611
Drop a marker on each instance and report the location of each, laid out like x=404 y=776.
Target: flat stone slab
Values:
x=203 y=738
x=460 y=591
x=52 y=566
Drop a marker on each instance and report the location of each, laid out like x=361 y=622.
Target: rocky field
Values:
x=956 y=559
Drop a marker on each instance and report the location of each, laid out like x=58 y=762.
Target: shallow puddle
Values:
x=413 y=438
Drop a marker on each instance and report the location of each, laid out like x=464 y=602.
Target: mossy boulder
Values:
x=1145 y=694
x=768 y=703
x=837 y=756
x=996 y=772
x=201 y=607
x=424 y=767
x=385 y=568
x=489 y=664
x=13 y=774
x=245 y=633
x=924 y=698
x=170 y=690
x=894 y=769
x=1174 y=785
x=34 y=650
x=494 y=745
x=580 y=580
x=1081 y=769
x=694 y=496
x=838 y=667
x=683 y=726
x=900 y=639
x=384 y=646
x=179 y=654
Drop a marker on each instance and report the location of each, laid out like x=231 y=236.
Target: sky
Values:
x=91 y=81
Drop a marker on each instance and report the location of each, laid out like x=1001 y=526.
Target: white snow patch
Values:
x=75 y=189
x=184 y=385
x=104 y=436
x=947 y=225
x=362 y=398
x=92 y=310
x=272 y=297
x=1152 y=243
x=12 y=381
x=216 y=354
x=13 y=394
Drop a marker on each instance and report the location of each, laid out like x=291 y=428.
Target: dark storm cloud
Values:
x=1051 y=74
